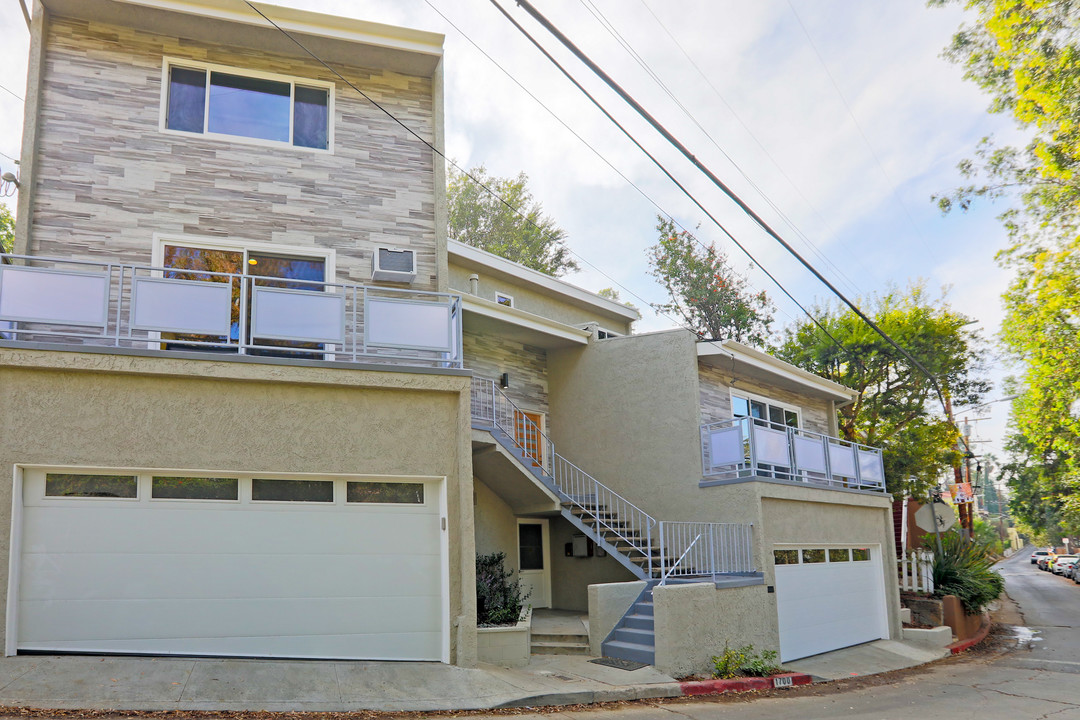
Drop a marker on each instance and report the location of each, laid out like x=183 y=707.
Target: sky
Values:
x=835 y=120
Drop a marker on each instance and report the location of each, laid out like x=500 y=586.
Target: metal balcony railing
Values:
x=750 y=447
x=49 y=300
x=663 y=549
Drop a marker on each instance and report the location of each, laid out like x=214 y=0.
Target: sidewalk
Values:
x=141 y=683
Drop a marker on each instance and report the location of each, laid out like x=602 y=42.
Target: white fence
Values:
x=917 y=571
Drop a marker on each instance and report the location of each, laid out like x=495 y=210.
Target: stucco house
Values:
x=255 y=403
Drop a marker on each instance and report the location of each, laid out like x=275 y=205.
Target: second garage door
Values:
x=828 y=598
x=265 y=566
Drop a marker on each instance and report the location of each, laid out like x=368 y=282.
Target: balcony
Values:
x=65 y=302
x=753 y=448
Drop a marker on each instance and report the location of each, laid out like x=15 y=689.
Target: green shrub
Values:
x=499 y=600
x=744 y=662
x=963 y=569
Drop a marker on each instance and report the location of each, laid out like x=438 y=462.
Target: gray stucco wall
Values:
x=716 y=388
x=496 y=525
x=106 y=179
x=544 y=304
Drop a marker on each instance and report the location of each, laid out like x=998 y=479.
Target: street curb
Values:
x=961 y=645
x=715 y=687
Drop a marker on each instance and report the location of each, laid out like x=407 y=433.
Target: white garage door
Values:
x=828 y=598
x=264 y=566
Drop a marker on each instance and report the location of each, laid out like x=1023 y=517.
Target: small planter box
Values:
x=508 y=646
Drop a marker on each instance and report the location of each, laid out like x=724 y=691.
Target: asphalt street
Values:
x=1034 y=677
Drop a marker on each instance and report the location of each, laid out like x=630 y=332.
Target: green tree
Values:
x=516 y=229
x=897 y=407
x=7 y=230
x=1026 y=55
x=703 y=289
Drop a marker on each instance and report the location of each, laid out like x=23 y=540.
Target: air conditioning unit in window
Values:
x=394 y=265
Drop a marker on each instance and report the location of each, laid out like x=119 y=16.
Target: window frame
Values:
x=499 y=294
x=749 y=396
x=170 y=61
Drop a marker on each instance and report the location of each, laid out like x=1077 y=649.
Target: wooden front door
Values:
x=527 y=432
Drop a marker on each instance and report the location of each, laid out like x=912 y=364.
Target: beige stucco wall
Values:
x=716 y=387
x=571 y=576
x=105 y=178
x=635 y=406
x=496 y=525
x=693 y=622
x=532 y=300
x=107 y=410
x=607 y=604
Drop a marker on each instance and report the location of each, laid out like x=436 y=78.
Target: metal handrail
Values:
x=607 y=508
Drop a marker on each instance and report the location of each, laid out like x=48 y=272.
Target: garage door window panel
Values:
x=300 y=491
x=112 y=487
x=813 y=556
x=785 y=557
x=195 y=488
x=839 y=555
x=385 y=493
x=860 y=554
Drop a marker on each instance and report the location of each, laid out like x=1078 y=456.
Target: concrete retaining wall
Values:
x=508 y=646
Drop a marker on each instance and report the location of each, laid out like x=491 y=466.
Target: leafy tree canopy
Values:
x=7 y=230
x=480 y=219
x=1026 y=55
x=703 y=289
x=897 y=406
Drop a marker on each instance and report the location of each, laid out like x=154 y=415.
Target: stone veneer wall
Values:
x=107 y=178
x=715 y=391
x=489 y=357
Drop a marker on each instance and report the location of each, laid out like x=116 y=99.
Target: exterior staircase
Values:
x=653 y=550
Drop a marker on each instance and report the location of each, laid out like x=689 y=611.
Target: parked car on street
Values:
x=1046 y=562
x=1038 y=555
x=1062 y=563
x=1069 y=569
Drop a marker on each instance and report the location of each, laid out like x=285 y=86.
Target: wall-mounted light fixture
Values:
x=504 y=381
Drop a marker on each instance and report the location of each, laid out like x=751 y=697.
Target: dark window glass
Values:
x=860 y=554
x=757 y=409
x=531 y=546
x=251 y=107
x=187 y=99
x=785 y=557
x=791 y=419
x=293 y=490
x=813 y=556
x=839 y=555
x=195 y=488
x=103 y=486
x=376 y=492
x=776 y=415
x=311 y=119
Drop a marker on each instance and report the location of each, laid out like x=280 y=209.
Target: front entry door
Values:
x=534 y=561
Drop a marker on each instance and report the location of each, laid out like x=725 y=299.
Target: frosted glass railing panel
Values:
x=407 y=324
x=771 y=446
x=810 y=454
x=726 y=447
x=870 y=467
x=301 y=315
x=181 y=306
x=842 y=460
x=53 y=296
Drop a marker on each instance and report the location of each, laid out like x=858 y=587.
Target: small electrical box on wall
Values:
x=581 y=546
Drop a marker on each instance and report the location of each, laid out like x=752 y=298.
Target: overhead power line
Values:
x=664 y=170
x=569 y=45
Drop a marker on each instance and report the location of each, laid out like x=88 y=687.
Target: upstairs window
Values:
x=215 y=101
x=764 y=409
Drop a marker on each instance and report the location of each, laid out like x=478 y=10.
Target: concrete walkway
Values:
x=137 y=683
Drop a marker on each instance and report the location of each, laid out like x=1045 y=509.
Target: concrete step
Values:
x=559 y=648
x=640 y=622
x=643 y=607
x=630 y=651
x=636 y=636
x=579 y=638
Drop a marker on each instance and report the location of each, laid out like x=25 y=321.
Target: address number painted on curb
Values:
x=778 y=682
